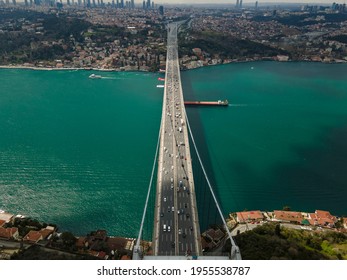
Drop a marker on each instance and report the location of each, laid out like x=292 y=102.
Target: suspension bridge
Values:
x=176 y=230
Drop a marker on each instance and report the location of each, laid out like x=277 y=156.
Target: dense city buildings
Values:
x=125 y=35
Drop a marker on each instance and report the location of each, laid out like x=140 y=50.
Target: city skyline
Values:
x=244 y=1
x=211 y=2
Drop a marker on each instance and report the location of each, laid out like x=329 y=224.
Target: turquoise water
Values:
x=78 y=152
x=75 y=151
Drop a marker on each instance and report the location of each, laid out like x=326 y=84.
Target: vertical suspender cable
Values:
x=235 y=253
x=148 y=194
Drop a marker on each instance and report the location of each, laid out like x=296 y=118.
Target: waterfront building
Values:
x=9 y=233
x=322 y=218
x=288 y=216
x=249 y=216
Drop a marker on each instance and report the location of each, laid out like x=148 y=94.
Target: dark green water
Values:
x=283 y=139
x=79 y=152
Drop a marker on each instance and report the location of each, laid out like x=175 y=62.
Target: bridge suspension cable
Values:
x=137 y=246
x=235 y=252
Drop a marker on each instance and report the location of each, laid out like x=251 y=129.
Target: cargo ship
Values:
x=208 y=103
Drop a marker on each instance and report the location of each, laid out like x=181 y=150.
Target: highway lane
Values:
x=176 y=229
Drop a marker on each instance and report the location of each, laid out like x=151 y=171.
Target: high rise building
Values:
x=152 y=5
x=26 y=3
x=132 y=4
x=161 y=10
x=237 y=4
x=144 y=5
x=14 y=2
x=256 y=5
x=122 y=4
x=148 y=4
x=240 y=4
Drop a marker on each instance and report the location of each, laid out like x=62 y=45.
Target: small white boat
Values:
x=160 y=86
x=93 y=76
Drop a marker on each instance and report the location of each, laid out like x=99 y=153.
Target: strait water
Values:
x=78 y=152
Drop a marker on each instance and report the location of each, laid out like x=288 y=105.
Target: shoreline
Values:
x=186 y=69
x=56 y=68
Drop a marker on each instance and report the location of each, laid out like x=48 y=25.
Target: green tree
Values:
x=69 y=241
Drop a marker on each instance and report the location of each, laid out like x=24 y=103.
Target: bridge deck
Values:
x=176 y=225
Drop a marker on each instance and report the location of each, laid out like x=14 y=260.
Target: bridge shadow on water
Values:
x=208 y=212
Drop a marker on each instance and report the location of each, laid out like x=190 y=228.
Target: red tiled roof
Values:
x=101 y=255
x=33 y=236
x=125 y=258
x=2 y=222
x=249 y=215
x=8 y=232
x=290 y=216
x=325 y=215
x=322 y=218
x=45 y=232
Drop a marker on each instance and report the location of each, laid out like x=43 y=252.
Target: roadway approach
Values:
x=176 y=224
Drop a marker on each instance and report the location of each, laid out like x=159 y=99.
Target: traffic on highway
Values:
x=176 y=227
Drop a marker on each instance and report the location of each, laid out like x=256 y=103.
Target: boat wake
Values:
x=238 y=105
x=245 y=105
